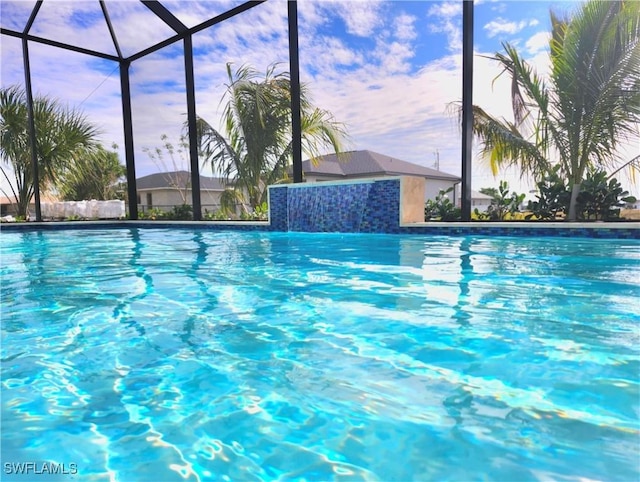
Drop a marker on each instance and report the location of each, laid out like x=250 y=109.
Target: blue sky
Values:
x=387 y=70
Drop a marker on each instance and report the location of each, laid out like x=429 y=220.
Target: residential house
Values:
x=164 y=190
x=478 y=201
x=366 y=164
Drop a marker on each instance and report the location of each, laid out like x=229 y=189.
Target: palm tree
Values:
x=229 y=200
x=256 y=147
x=95 y=174
x=577 y=117
x=61 y=133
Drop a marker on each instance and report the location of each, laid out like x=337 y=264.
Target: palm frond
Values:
x=596 y=71
x=502 y=145
x=61 y=132
x=254 y=147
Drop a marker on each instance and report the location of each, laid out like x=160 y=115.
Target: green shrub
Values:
x=153 y=214
x=504 y=203
x=219 y=215
x=479 y=215
x=441 y=208
x=601 y=198
x=181 y=213
x=260 y=213
x=552 y=199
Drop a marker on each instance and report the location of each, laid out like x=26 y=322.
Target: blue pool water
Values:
x=167 y=355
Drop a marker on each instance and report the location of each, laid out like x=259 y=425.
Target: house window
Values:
x=139 y=200
x=149 y=201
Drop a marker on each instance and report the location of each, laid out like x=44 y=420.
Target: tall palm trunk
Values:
x=573 y=203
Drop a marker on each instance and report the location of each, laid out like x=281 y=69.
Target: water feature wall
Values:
x=360 y=206
x=327 y=208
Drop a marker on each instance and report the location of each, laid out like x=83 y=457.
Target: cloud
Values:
x=329 y=54
x=446 y=10
x=312 y=14
x=15 y=14
x=401 y=114
x=388 y=49
x=405 y=27
x=500 y=7
x=61 y=22
x=448 y=20
x=361 y=17
x=502 y=26
x=538 y=42
x=193 y=13
x=394 y=57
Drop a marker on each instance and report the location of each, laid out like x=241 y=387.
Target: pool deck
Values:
x=619 y=230
x=594 y=229
x=529 y=224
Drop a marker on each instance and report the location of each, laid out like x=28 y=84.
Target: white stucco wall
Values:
x=434 y=186
x=480 y=204
x=168 y=198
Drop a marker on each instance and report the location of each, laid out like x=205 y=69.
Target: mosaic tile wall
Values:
x=278 y=208
x=533 y=231
x=327 y=208
x=382 y=210
x=365 y=207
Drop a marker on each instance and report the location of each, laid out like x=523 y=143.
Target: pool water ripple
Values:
x=192 y=355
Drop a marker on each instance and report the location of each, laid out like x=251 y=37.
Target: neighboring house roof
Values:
x=363 y=163
x=178 y=180
x=478 y=196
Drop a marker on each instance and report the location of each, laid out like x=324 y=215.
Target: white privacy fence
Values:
x=114 y=209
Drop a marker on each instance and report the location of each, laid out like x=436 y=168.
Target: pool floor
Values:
x=158 y=354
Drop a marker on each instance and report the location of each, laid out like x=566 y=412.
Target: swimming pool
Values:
x=178 y=354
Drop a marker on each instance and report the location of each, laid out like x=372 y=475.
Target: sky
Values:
x=388 y=70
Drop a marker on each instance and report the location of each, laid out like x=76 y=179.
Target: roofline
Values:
x=384 y=173
x=443 y=176
x=177 y=189
x=440 y=178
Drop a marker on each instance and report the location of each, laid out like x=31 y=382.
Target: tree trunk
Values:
x=573 y=203
x=22 y=204
x=254 y=200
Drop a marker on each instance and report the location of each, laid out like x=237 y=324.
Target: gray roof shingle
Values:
x=177 y=179
x=363 y=163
